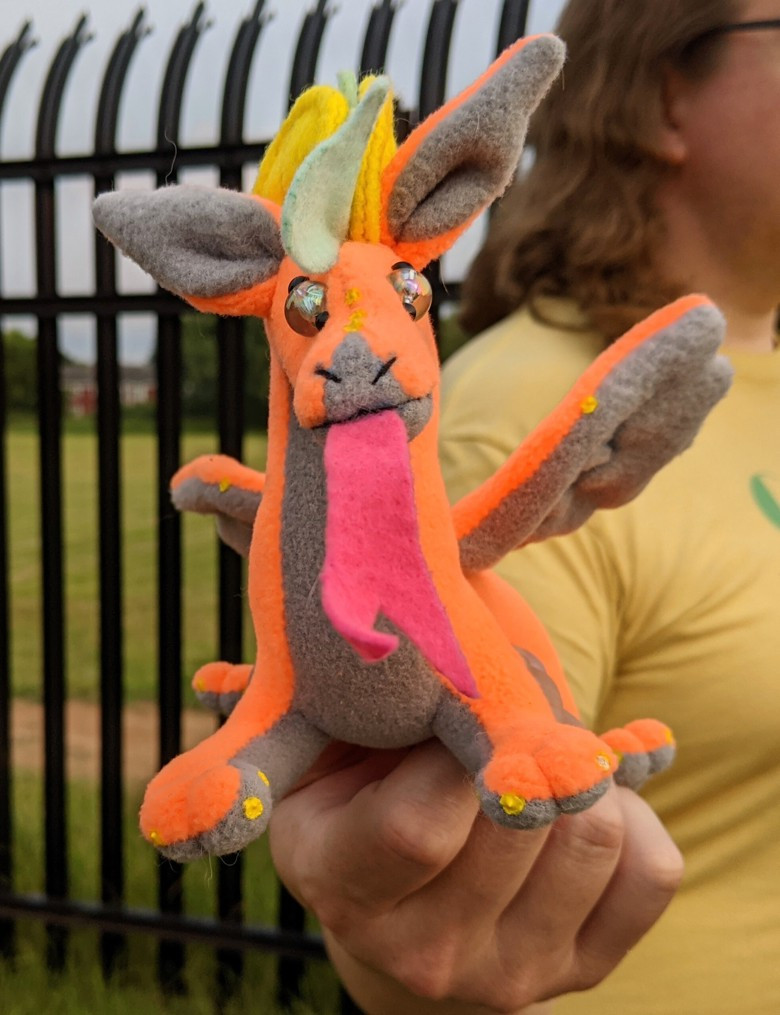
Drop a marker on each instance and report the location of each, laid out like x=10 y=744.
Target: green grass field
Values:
x=81 y=562
x=25 y=986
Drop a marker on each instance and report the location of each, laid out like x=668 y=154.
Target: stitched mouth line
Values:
x=360 y=413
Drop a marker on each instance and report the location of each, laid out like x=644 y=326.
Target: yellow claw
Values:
x=589 y=404
x=602 y=760
x=263 y=776
x=511 y=803
x=156 y=839
x=253 y=808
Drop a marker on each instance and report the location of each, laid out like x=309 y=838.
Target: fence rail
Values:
x=55 y=907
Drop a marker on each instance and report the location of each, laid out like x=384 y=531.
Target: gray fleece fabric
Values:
x=469 y=158
x=650 y=408
x=208 y=499
x=195 y=241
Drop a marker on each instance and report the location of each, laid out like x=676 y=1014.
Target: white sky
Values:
x=474 y=37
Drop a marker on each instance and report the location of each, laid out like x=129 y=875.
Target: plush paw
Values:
x=219 y=686
x=561 y=770
x=643 y=747
x=214 y=812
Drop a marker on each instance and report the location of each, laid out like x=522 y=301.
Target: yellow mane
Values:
x=316 y=115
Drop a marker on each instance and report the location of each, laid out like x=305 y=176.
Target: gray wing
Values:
x=635 y=408
x=221 y=486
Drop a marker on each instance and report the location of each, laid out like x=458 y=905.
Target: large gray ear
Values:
x=194 y=241
x=463 y=157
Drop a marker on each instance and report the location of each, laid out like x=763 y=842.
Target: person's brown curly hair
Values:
x=582 y=222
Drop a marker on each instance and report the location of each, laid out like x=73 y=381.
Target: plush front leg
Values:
x=543 y=771
x=530 y=768
x=643 y=748
x=219 y=686
x=218 y=797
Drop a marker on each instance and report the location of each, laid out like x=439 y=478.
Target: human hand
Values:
x=427 y=906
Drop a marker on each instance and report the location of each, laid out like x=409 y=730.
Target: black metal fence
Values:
x=55 y=905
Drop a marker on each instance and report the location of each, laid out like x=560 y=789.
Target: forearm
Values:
x=378 y=994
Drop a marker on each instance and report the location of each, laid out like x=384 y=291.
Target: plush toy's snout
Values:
x=355 y=383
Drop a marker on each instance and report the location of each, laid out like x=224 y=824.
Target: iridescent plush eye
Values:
x=413 y=288
x=304 y=308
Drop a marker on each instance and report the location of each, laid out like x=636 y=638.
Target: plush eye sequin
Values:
x=413 y=288
x=304 y=308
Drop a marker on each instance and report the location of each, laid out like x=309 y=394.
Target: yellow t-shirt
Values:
x=668 y=607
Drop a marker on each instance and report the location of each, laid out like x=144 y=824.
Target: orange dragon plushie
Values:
x=378 y=620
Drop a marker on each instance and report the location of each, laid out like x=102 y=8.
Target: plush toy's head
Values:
x=329 y=247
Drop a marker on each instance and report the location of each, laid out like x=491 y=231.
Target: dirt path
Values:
x=82 y=737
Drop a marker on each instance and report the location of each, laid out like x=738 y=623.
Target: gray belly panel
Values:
x=387 y=704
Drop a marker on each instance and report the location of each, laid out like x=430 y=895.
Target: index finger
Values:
x=389 y=840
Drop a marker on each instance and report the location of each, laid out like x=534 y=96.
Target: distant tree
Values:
x=200 y=359
x=450 y=334
x=20 y=372
x=256 y=375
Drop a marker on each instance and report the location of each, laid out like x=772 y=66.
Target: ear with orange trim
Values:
x=215 y=248
x=462 y=157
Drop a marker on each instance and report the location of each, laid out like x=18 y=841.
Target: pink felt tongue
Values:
x=373 y=559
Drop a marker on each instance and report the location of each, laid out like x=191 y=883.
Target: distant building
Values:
x=137 y=386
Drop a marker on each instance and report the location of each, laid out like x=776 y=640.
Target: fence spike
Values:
x=54 y=88
x=9 y=61
x=237 y=76
x=436 y=58
x=168 y=121
x=304 y=68
x=230 y=352
x=170 y=957
x=377 y=37
x=113 y=83
x=514 y=18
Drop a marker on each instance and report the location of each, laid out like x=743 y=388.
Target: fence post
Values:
x=50 y=424
x=231 y=352
x=9 y=61
x=109 y=499
x=169 y=370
